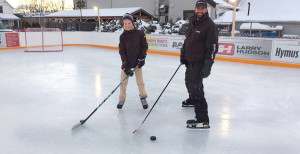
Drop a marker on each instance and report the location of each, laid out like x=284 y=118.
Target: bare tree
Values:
x=54 y=6
x=62 y=4
x=35 y=6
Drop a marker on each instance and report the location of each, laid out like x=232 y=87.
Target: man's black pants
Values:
x=194 y=85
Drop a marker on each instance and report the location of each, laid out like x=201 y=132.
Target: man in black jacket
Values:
x=198 y=53
x=133 y=50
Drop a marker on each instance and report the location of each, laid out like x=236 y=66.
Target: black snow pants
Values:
x=194 y=85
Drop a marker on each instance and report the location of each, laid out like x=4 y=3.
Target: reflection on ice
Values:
x=98 y=83
x=225 y=121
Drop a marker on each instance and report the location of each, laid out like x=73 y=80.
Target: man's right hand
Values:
x=183 y=59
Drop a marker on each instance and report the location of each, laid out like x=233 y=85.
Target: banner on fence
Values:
x=286 y=51
x=9 y=40
x=165 y=42
x=256 y=49
x=12 y=39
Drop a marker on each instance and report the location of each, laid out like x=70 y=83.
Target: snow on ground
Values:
x=264 y=11
x=258 y=26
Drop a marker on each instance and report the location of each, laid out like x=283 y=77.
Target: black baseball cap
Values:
x=201 y=3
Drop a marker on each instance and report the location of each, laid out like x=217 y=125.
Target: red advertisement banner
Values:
x=12 y=39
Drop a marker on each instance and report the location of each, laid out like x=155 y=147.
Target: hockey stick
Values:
x=158 y=99
x=81 y=122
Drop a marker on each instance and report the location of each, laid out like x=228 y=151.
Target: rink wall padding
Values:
x=259 y=51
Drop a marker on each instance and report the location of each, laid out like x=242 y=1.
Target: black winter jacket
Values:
x=201 y=40
x=133 y=46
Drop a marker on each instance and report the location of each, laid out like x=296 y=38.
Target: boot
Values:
x=144 y=102
x=120 y=104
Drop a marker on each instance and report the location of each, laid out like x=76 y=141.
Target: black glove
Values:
x=207 y=68
x=128 y=71
x=141 y=62
x=183 y=59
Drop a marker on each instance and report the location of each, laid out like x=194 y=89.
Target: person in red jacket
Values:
x=198 y=54
x=133 y=50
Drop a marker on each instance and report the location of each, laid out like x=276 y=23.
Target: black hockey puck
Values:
x=152 y=138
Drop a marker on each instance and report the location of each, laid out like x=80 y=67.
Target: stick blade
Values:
x=77 y=125
x=135 y=131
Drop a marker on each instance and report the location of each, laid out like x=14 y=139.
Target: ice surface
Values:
x=252 y=108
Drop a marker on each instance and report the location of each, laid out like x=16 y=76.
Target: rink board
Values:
x=276 y=52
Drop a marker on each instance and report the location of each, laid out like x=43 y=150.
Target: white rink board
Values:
x=34 y=41
x=2 y=40
x=171 y=43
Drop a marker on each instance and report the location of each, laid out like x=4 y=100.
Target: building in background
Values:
x=6 y=15
x=32 y=19
x=32 y=12
x=163 y=10
x=69 y=20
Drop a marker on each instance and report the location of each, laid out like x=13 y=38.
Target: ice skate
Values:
x=196 y=124
x=188 y=103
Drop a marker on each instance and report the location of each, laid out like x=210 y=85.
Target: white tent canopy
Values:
x=258 y=26
x=4 y=16
x=223 y=4
x=265 y=11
